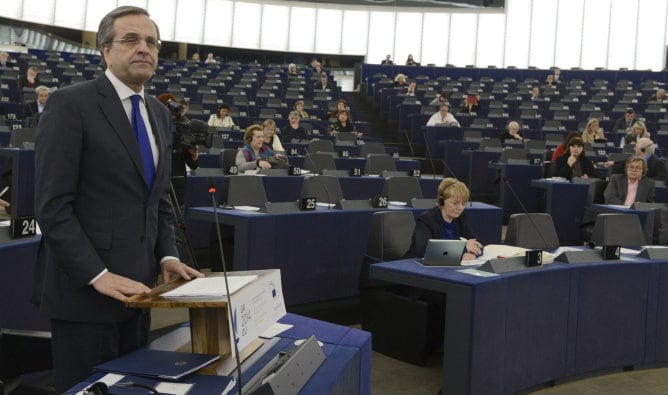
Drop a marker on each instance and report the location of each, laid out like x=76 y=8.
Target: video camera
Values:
x=189 y=133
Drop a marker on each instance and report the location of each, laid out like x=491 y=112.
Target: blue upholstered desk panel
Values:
x=346 y=369
x=482 y=179
x=525 y=328
x=319 y=253
x=565 y=202
x=519 y=177
x=17 y=263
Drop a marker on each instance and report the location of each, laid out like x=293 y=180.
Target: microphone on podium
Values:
x=211 y=189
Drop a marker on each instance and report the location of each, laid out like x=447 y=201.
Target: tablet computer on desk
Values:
x=443 y=252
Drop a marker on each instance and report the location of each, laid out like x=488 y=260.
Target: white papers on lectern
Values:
x=209 y=287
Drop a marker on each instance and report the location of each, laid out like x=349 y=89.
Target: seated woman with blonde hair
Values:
x=270 y=137
x=592 y=131
x=446 y=221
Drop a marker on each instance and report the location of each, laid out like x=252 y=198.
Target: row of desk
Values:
x=513 y=331
x=342 y=163
x=346 y=369
x=284 y=189
x=319 y=253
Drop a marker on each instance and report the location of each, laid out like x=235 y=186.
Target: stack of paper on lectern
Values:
x=164 y=365
x=209 y=287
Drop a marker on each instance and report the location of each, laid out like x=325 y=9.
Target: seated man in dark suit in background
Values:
x=644 y=148
x=626 y=122
x=634 y=186
x=32 y=109
x=323 y=84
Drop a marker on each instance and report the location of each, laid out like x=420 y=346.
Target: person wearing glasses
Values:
x=644 y=148
x=633 y=186
x=446 y=221
x=102 y=202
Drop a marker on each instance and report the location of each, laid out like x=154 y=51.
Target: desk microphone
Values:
x=212 y=191
x=324 y=184
x=445 y=164
x=431 y=159
x=533 y=224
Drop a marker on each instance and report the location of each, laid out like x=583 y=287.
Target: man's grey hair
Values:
x=41 y=88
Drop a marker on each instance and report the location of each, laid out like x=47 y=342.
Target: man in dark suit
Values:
x=323 y=84
x=36 y=107
x=102 y=161
x=644 y=148
x=631 y=187
x=625 y=123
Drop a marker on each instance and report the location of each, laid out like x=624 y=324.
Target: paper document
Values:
x=494 y=251
x=246 y=208
x=209 y=286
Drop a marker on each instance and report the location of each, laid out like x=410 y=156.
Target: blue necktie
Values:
x=141 y=133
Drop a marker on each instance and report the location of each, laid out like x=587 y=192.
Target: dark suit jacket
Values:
x=30 y=109
x=429 y=225
x=318 y=86
x=615 y=192
x=92 y=202
x=621 y=124
x=561 y=168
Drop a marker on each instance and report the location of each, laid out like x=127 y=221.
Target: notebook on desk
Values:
x=163 y=365
x=443 y=252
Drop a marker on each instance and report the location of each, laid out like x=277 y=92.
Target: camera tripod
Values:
x=180 y=228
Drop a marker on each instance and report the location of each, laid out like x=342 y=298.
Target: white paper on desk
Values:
x=209 y=287
x=323 y=204
x=476 y=272
x=247 y=208
x=173 y=388
x=494 y=251
x=275 y=329
x=555 y=179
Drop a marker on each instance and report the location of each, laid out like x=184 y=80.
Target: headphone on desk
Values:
x=100 y=388
x=97 y=388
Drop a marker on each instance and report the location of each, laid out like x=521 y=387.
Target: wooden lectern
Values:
x=209 y=326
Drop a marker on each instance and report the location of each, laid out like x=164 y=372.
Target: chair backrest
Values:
x=618 y=229
x=21 y=136
x=372 y=148
x=245 y=190
x=319 y=161
x=376 y=164
x=402 y=189
x=513 y=153
x=320 y=146
x=228 y=157
x=595 y=192
x=390 y=235
x=535 y=144
x=532 y=230
x=346 y=137
x=487 y=143
x=326 y=189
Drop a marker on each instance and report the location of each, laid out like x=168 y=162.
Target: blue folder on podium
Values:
x=163 y=365
x=136 y=385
